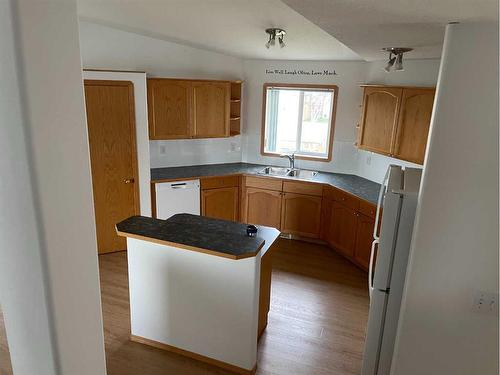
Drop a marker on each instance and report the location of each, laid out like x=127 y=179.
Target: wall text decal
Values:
x=302 y=72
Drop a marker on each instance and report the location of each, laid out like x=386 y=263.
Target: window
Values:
x=299 y=119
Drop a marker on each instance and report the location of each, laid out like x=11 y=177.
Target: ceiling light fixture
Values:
x=273 y=34
x=395 y=58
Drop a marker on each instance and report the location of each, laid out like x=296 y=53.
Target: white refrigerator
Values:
x=391 y=245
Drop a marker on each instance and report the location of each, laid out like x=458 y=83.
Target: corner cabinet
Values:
x=183 y=109
x=395 y=121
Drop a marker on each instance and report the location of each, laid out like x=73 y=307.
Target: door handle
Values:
x=370 y=267
x=129 y=181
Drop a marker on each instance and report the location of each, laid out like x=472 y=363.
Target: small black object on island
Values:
x=251 y=230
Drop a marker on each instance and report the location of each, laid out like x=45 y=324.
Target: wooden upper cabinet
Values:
x=395 y=121
x=169 y=109
x=379 y=119
x=180 y=109
x=301 y=214
x=413 y=124
x=211 y=102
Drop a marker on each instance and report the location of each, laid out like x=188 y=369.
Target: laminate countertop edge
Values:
x=188 y=247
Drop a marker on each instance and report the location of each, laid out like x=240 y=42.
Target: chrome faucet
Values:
x=291 y=159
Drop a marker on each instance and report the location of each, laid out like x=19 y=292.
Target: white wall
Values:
x=48 y=269
x=109 y=48
x=141 y=129
x=350 y=75
x=23 y=288
x=455 y=244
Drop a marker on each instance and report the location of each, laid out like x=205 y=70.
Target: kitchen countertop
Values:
x=355 y=185
x=198 y=233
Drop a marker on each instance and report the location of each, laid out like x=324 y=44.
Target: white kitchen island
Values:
x=199 y=287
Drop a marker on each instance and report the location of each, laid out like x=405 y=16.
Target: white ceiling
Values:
x=366 y=26
x=316 y=29
x=234 y=27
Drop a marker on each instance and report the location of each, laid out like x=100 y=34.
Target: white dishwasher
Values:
x=178 y=197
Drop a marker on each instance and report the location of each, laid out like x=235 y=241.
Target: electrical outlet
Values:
x=163 y=149
x=485 y=302
x=234 y=147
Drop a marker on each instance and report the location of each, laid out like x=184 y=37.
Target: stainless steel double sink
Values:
x=288 y=172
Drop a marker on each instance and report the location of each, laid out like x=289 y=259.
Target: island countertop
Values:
x=355 y=185
x=222 y=238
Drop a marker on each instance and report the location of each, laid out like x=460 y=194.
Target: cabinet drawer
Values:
x=367 y=208
x=219 y=182
x=346 y=199
x=303 y=188
x=264 y=183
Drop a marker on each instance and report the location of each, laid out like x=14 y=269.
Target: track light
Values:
x=273 y=34
x=398 y=66
x=390 y=63
x=395 y=58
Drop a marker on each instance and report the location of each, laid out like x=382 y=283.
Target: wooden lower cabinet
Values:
x=262 y=207
x=301 y=215
x=349 y=231
x=221 y=203
x=364 y=239
x=342 y=229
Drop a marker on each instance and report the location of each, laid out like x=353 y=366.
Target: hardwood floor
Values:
x=317 y=321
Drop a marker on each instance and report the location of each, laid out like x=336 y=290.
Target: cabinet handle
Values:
x=129 y=181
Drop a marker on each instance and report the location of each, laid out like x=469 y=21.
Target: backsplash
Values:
x=176 y=153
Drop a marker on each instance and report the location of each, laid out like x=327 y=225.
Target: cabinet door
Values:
x=169 y=109
x=379 y=119
x=364 y=239
x=301 y=214
x=263 y=207
x=220 y=203
x=211 y=109
x=413 y=124
x=342 y=229
x=326 y=215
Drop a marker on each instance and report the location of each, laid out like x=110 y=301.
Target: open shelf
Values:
x=235 y=115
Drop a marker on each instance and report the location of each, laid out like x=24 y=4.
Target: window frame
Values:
x=335 y=90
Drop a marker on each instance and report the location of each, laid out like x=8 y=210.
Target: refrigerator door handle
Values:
x=379 y=205
x=370 y=268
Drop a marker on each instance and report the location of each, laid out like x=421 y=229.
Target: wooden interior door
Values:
x=342 y=230
x=379 y=119
x=221 y=203
x=113 y=158
x=211 y=102
x=263 y=207
x=169 y=108
x=364 y=239
x=413 y=124
x=301 y=214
